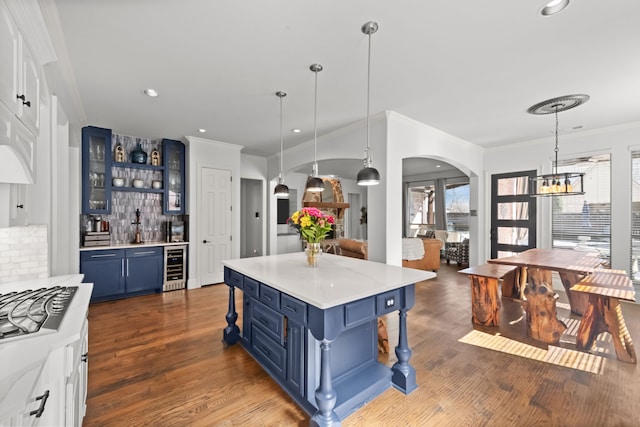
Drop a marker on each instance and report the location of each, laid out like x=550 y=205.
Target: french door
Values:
x=513 y=214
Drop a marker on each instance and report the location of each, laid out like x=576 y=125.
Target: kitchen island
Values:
x=314 y=330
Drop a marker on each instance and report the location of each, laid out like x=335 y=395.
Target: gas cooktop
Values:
x=33 y=312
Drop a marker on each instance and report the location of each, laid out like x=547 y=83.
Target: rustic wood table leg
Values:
x=540 y=306
x=604 y=314
x=577 y=300
x=485 y=301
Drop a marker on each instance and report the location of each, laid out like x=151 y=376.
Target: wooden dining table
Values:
x=584 y=278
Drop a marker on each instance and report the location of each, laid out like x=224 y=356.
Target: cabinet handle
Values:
x=38 y=412
x=266 y=297
x=264 y=321
x=122 y=267
x=24 y=101
x=144 y=253
x=205 y=241
x=107 y=204
x=127 y=268
x=85 y=357
x=263 y=349
x=290 y=308
x=103 y=256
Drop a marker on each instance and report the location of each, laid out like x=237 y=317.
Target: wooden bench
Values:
x=485 y=299
x=605 y=289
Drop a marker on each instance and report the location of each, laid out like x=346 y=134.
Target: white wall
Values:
x=617 y=141
x=408 y=138
x=201 y=153
x=255 y=167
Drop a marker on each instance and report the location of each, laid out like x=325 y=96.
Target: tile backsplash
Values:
x=24 y=253
x=125 y=203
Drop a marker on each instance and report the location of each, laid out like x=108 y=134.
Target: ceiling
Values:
x=470 y=69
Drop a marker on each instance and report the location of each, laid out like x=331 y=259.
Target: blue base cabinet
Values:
x=120 y=273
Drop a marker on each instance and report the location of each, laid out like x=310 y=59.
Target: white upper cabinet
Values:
x=19 y=73
x=9 y=73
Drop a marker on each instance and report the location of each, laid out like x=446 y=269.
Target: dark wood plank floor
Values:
x=159 y=360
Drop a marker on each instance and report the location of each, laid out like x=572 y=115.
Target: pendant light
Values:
x=368 y=175
x=314 y=183
x=281 y=191
x=564 y=183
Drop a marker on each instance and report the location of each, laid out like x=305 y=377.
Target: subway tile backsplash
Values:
x=24 y=253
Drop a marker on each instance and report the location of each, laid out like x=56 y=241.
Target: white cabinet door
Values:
x=9 y=73
x=29 y=90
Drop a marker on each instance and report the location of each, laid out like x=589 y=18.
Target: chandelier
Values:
x=557 y=183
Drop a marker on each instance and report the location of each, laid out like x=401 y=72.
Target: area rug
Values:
x=554 y=355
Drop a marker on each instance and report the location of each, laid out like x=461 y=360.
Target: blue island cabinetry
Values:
x=120 y=273
x=315 y=330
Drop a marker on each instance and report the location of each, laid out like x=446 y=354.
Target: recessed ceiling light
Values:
x=554 y=6
x=202 y=130
x=151 y=92
x=438 y=166
x=296 y=130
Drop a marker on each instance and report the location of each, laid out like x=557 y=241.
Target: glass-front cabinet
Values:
x=96 y=170
x=174 y=177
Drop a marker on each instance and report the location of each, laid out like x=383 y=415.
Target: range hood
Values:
x=13 y=167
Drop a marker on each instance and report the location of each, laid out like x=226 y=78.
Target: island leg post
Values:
x=325 y=394
x=231 y=333
x=404 y=375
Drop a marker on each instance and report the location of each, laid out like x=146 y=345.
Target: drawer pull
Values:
x=38 y=413
x=291 y=309
x=266 y=297
x=144 y=253
x=103 y=256
x=264 y=321
x=263 y=349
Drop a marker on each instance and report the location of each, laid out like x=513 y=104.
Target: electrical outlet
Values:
x=389 y=302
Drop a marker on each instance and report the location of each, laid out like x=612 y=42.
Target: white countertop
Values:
x=337 y=280
x=131 y=245
x=18 y=356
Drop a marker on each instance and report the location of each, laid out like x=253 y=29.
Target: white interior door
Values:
x=214 y=223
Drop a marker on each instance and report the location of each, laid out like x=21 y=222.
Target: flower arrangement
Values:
x=312 y=224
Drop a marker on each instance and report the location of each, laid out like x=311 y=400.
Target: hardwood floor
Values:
x=158 y=360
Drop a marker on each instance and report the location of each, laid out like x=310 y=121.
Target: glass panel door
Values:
x=513 y=214
x=96 y=170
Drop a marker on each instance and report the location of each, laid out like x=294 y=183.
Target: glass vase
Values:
x=313 y=254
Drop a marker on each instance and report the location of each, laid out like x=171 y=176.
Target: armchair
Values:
x=459 y=252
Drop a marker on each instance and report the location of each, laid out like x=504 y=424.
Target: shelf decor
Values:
x=139 y=155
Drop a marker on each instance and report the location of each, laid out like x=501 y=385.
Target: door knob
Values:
x=205 y=241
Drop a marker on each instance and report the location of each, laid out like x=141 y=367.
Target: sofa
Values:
x=353 y=248
x=431 y=258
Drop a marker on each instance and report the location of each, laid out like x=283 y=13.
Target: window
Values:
x=422 y=205
x=457 y=207
x=635 y=218
x=583 y=222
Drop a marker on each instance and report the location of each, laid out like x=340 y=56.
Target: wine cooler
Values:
x=175 y=267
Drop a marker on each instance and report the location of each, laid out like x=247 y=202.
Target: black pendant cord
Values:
x=281 y=95
x=315 y=126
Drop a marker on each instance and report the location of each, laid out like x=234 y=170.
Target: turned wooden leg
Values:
x=485 y=301
x=325 y=394
x=231 y=333
x=577 y=300
x=604 y=314
x=540 y=305
x=404 y=375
